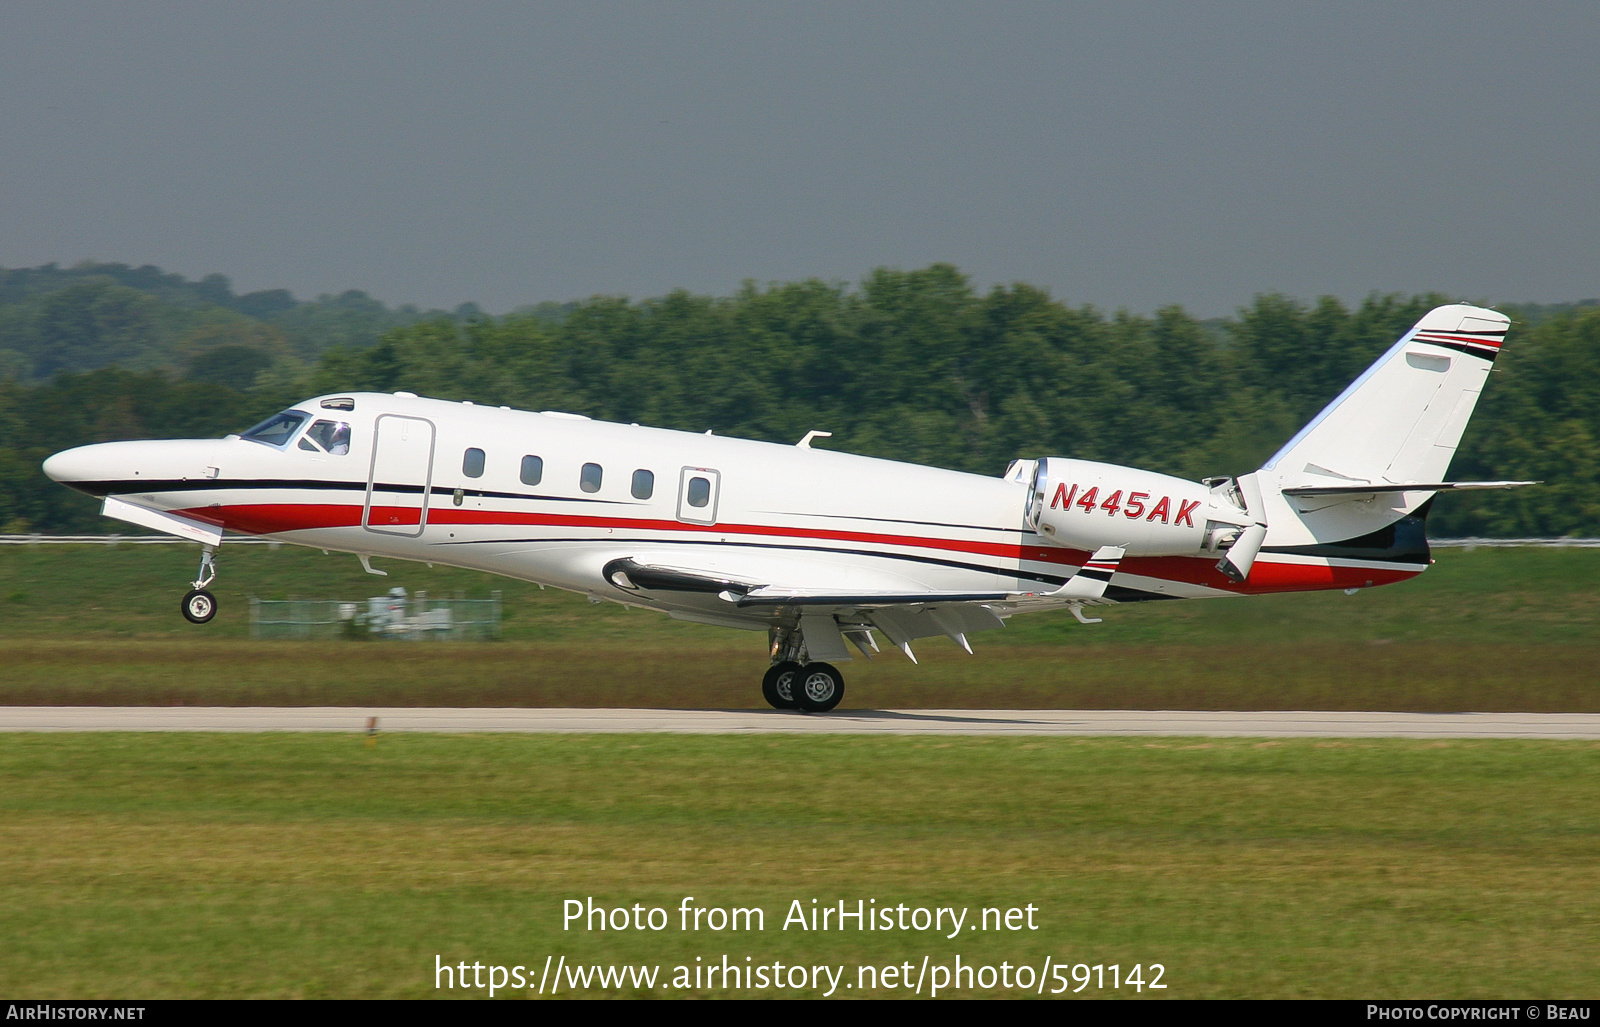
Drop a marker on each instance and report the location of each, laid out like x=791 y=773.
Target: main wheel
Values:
x=199 y=606
x=818 y=688
x=777 y=685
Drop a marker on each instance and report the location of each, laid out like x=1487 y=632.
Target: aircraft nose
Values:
x=85 y=463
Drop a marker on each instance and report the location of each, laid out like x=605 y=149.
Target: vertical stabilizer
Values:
x=1401 y=421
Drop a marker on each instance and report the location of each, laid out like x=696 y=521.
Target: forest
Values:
x=911 y=365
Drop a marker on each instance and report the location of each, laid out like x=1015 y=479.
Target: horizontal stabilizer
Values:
x=1372 y=489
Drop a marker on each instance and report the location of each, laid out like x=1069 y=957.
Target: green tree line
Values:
x=910 y=365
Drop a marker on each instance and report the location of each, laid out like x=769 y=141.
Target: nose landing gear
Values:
x=199 y=605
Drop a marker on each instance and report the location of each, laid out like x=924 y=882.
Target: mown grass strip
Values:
x=1419 y=677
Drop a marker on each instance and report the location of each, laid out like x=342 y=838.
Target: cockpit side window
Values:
x=278 y=429
x=333 y=436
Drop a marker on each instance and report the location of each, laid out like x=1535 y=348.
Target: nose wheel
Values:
x=199 y=605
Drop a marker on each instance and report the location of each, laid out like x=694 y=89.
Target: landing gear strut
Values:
x=794 y=682
x=198 y=604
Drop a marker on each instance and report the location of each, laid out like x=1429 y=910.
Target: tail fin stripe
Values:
x=1453 y=337
x=1472 y=350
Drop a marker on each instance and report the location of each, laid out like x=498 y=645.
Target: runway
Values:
x=1549 y=726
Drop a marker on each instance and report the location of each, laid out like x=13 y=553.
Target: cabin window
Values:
x=332 y=436
x=278 y=429
x=472 y=463
x=699 y=491
x=589 y=478
x=644 y=484
x=532 y=470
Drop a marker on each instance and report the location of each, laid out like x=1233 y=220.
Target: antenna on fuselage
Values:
x=805 y=443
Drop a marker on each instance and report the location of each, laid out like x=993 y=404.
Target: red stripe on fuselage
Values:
x=1265 y=576
x=267 y=518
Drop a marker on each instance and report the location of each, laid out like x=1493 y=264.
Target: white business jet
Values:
x=821 y=550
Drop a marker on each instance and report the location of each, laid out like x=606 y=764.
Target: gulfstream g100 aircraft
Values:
x=821 y=550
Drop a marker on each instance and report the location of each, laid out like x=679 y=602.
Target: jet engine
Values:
x=1084 y=505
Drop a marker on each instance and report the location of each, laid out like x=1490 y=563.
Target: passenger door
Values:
x=400 y=479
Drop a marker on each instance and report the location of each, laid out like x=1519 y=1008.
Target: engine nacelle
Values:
x=1084 y=505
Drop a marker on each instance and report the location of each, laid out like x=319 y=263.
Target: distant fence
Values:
x=1515 y=543
x=396 y=616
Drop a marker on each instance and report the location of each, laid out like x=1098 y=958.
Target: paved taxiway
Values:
x=899 y=722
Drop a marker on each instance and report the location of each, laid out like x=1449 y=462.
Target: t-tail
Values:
x=1356 y=482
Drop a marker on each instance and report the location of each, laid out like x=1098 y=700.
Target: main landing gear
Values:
x=200 y=605
x=794 y=684
x=807 y=687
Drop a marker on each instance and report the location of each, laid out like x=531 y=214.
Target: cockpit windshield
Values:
x=278 y=429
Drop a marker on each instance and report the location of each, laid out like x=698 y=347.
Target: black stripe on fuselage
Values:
x=136 y=486
x=907 y=557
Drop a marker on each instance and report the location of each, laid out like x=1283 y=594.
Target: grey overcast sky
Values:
x=1120 y=153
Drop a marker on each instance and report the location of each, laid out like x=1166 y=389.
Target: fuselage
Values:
x=554 y=498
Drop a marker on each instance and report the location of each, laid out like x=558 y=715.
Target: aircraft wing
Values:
x=830 y=617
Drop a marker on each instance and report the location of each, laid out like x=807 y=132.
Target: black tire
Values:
x=777 y=685
x=818 y=688
x=199 y=606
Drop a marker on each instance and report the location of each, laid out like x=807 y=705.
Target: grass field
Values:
x=1492 y=629
x=312 y=865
